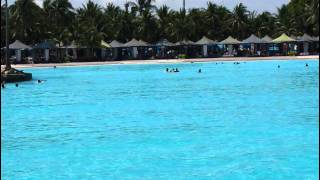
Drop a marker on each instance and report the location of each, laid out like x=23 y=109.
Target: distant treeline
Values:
x=58 y=20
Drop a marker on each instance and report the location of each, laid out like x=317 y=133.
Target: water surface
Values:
x=247 y=121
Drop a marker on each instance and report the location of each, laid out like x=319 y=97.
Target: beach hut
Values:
x=104 y=47
x=74 y=49
x=18 y=46
x=316 y=44
x=230 y=42
x=135 y=44
x=164 y=48
x=305 y=40
x=265 y=46
x=205 y=42
x=116 y=47
x=185 y=48
x=286 y=43
x=254 y=43
x=46 y=46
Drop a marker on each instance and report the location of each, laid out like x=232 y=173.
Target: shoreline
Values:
x=165 y=61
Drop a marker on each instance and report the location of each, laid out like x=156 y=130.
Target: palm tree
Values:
x=216 y=16
x=198 y=27
x=61 y=16
x=26 y=19
x=239 y=21
x=164 y=15
x=112 y=19
x=180 y=26
x=142 y=6
x=312 y=13
x=3 y=25
x=285 y=22
x=91 y=25
x=265 y=24
x=141 y=19
x=127 y=27
x=145 y=21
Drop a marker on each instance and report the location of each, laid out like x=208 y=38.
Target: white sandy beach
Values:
x=167 y=61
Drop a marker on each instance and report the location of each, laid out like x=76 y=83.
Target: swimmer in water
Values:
x=54 y=67
x=176 y=70
x=41 y=81
x=2 y=85
x=307 y=65
x=17 y=85
x=278 y=66
x=167 y=69
x=199 y=71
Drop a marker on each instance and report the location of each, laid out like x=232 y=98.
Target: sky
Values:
x=253 y=5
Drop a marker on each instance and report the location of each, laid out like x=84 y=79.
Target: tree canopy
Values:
x=58 y=20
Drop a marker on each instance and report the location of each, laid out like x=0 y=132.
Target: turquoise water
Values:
x=247 y=121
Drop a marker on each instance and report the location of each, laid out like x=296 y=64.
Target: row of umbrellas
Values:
x=164 y=42
x=253 y=39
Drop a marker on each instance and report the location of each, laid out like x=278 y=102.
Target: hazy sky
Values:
x=257 y=5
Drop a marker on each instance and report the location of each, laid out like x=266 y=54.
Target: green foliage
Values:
x=141 y=19
x=182 y=56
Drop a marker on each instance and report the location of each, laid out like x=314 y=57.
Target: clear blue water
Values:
x=247 y=121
